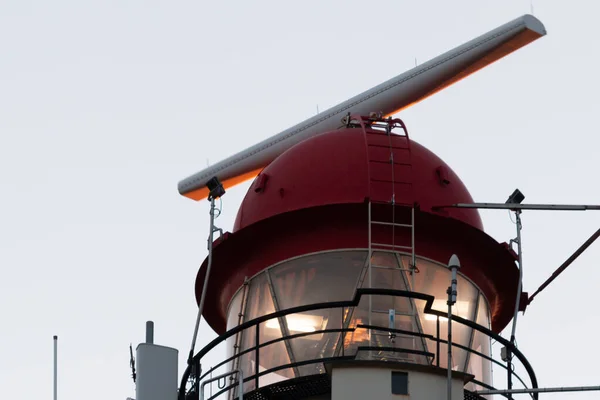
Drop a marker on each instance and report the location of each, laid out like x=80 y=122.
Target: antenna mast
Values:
x=55 y=367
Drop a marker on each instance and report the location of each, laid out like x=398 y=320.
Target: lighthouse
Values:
x=346 y=274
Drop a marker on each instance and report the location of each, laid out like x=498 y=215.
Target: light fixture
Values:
x=215 y=188
x=300 y=323
x=515 y=198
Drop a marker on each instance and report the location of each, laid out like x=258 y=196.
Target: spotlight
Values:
x=516 y=198
x=215 y=188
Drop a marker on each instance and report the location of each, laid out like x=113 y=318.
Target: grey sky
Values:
x=104 y=106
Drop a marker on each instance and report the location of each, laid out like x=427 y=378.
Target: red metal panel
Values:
x=379 y=171
x=344 y=226
x=383 y=153
x=334 y=168
x=381 y=192
x=393 y=141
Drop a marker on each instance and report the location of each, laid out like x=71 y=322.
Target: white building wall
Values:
x=371 y=383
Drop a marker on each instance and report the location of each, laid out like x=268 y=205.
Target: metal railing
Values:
x=193 y=377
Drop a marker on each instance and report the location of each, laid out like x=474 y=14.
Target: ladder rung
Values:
x=393 y=246
x=391 y=224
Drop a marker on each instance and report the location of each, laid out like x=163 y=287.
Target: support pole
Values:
x=517 y=303
x=519 y=286
x=450 y=343
x=564 y=265
x=454 y=266
x=55 y=367
x=206 y=276
x=149 y=332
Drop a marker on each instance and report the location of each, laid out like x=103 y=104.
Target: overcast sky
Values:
x=106 y=105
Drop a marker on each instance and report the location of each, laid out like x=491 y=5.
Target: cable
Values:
x=510 y=216
x=220 y=208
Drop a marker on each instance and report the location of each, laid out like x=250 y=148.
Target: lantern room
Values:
x=344 y=229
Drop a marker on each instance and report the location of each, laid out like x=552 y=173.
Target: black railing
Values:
x=193 y=372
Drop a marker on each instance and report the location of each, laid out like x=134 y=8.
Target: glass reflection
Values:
x=233 y=319
x=478 y=366
x=334 y=276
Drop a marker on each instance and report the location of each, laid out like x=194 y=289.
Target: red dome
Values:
x=349 y=166
x=317 y=195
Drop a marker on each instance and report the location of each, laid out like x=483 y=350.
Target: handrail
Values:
x=195 y=361
x=270 y=342
x=225 y=375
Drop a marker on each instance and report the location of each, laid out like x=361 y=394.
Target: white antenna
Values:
x=317 y=109
x=55 y=367
x=531 y=4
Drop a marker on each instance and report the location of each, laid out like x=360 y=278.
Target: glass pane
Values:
x=434 y=279
x=271 y=356
x=479 y=366
x=233 y=319
x=260 y=303
x=388 y=277
x=314 y=347
x=363 y=337
x=317 y=278
x=384 y=259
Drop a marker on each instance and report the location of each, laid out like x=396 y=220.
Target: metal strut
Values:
x=539 y=390
x=212 y=230
x=564 y=265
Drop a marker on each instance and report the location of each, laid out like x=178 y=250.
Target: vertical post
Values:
x=450 y=343
x=414 y=254
x=206 y=276
x=55 y=367
x=149 y=332
x=343 y=332
x=257 y=357
x=509 y=371
x=520 y=255
x=197 y=379
x=517 y=303
x=437 y=354
x=370 y=276
x=453 y=265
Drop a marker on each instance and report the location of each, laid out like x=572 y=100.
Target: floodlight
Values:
x=215 y=188
x=516 y=197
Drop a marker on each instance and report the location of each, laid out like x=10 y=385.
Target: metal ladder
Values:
x=404 y=271
x=388 y=125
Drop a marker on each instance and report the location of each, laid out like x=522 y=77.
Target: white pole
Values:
x=55 y=367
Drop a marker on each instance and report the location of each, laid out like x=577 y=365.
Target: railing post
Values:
x=438 y=341
x=343 y=326
x=197 y=373
x=509 y=371
x=256 y=357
